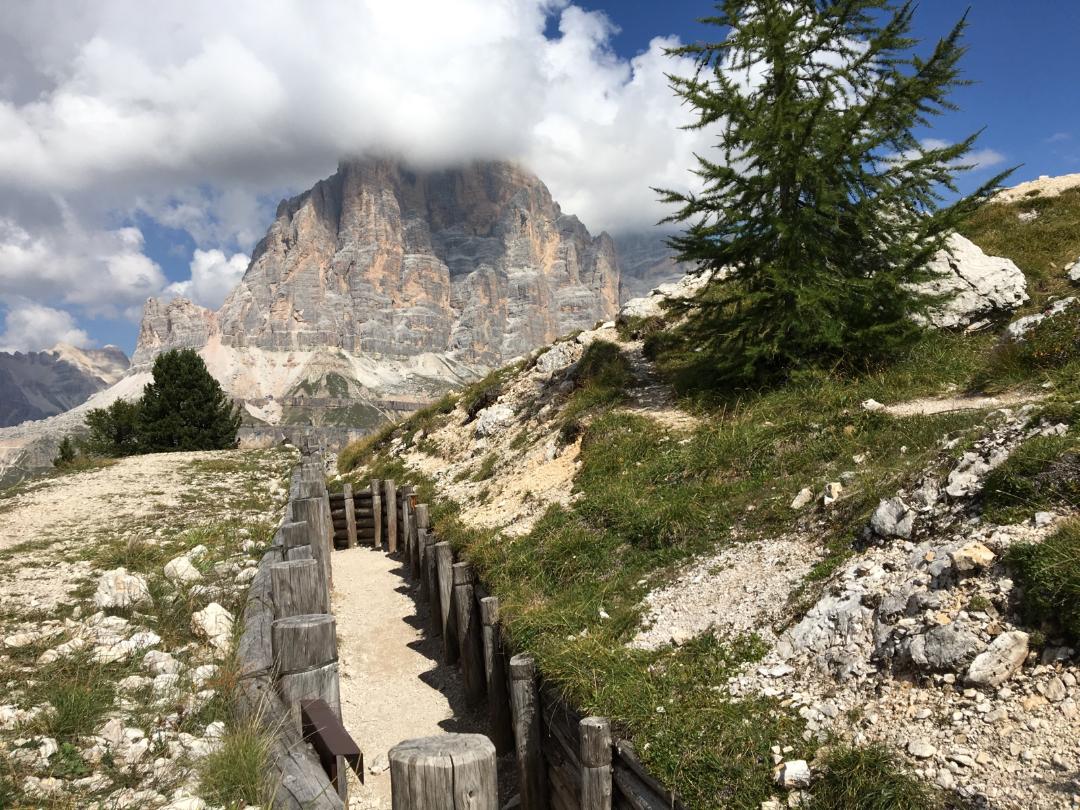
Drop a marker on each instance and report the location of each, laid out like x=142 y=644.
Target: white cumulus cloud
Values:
x=212 y=278
x=30 y=327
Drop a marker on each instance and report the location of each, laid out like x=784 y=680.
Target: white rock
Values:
x=199 y=552
x=119 y=589
x=1055 y=690
x=185 y=803
x=920 y=749
x=166 y=685
x=493 y=419
x=832 y=492
x=893 y=518
x=181 y=571
x=794 y=774
x=1072 y=272
x=202 y=674
x=245 y=576
x=1021 y=326
x=215 y=624
x=1000 y=661
x=160 y=663
x=872 y=405
x=558 y=357
x=652 y=305
x=803 y=498
x=977 y=284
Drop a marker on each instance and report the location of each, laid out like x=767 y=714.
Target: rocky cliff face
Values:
x=645 y=262
x=476 y=261
x=35 y=385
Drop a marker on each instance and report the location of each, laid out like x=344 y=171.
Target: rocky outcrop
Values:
x=645 y=262
x=478 y=262
x=177 y=324
x=975 y=285
x=36 y=385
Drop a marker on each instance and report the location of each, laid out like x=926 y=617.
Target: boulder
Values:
x=652 y=304
x=119 y=589
x=160 y=663
x=558 y=357
x=493 y=419
x=975 y=285
x=893 y=518
x=944 y=649
x=1000 y=661
x=181 y=571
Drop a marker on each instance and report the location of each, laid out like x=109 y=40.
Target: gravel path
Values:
x=394 y=686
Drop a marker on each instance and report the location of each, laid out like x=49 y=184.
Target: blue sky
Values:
x=144 y=147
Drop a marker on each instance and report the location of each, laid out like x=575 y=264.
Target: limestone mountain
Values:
x=35 y=385
x=476 y=262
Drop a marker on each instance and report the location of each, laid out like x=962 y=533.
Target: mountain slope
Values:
x=35 y=385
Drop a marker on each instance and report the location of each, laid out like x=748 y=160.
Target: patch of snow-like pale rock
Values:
x=1021 y=326
x=1072 y=272
x=119 y=589
x=976 y=285
x=493 y=419
x=651 y=305
x=215 y=624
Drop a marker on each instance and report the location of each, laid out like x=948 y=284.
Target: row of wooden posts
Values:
x=564 y=761
x=288 y=653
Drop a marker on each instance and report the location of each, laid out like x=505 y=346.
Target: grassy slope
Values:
x=650 y=498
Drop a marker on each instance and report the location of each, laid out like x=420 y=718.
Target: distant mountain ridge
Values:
x=36 y=385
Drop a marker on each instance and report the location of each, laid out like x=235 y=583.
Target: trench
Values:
x=394 y=683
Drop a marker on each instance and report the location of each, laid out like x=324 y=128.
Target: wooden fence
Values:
x=565 y=761
x=287 y=654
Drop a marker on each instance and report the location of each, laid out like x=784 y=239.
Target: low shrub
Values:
x=869 y=778
x=1042 y=473
x=1049 y=575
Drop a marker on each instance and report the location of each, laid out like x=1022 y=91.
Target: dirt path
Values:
x=394 y=686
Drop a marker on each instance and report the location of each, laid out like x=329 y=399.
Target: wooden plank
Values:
x=626 y=756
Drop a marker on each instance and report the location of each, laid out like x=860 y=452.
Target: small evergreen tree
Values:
x=113 y=430
x=65 y=453
x=184 y=407
x=825 y=208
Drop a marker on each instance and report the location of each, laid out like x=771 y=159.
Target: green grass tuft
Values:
x=487 y=468
x=870 y=778
x=236 y=774
x=1049 y=575
x=1043 y=473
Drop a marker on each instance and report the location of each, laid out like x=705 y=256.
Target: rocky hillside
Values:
x=847 y=586
x=34 y=385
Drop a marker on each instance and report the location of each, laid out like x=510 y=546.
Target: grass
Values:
x=600 y=379
x=1049 y=575
x=236 y=775
x=487 y=468
x=80 y=691
x=1041 y=474
x=1041 y=248
x=869 y=778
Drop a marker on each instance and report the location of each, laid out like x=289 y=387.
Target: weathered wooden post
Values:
x=329 y=547
x=350 y=516
x=295 y=541
x=431 y=580
x=445 y=772
x=470 y=635
x=423 y=523
x=405 y=524
x=310 y=511
x=376 y=510
x=525 y=700
x=297 y=588
x=502 y=730
x=414 y=536
x=444 y=565
x=595 y=754
x=390 y=507
x=305 y=653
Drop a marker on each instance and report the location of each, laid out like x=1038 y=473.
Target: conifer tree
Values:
x=824 y=207
x=184 y=407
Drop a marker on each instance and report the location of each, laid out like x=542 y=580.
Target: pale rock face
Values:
x=178 y=324
x=652 y=305
x=36 y=385
x=119 y=589
x=979 y=285
x=493 y=419
x=383 y=260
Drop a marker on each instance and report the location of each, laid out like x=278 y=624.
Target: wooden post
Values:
x=297 y=588
x=422 y=525
x=350 y=516
x=376 y=510
x=305 y=651
x=431 y=581
x=329 y=539
x=595 y=754
x=445 y=772
x=310 y=511
x=502 y=730
x=390 y=507
x=414 y=536
x=405 y=525
x=525 y=700
x=470 y=635
x=294 y=536
x=444 y=564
